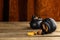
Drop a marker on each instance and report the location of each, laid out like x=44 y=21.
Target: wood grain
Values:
x=30 y=9
x=18 y=31
x=13 y=10
x=1 y=10
x=48 y=8
x=22 y=10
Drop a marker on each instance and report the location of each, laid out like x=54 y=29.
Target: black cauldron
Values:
x=35 y=22
x=48 y=25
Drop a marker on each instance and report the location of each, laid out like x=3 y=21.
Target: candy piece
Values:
x=39 y=32
x=31 y=33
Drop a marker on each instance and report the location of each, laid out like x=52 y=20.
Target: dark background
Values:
x=22 y=10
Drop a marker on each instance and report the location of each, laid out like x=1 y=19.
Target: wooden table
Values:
x=18 y=31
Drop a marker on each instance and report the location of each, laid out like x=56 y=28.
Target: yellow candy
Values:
x=31 y=33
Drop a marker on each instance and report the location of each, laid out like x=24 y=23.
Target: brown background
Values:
x=22 y=10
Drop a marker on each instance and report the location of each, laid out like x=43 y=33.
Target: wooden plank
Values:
x=18 y=31
x=13 y=10
x=1 y=10
x=31 y=38
x=30 y=9
x=6 y=10
x=22 y=10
